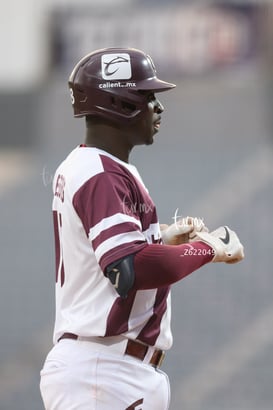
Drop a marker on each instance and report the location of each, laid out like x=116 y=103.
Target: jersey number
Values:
x=72 y=96
x=57 y=221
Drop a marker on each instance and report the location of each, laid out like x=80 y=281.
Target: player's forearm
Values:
x=158 y=265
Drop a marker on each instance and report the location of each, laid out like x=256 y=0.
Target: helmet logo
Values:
x=116 y=66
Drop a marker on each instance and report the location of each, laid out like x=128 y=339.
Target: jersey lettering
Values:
x=57 y=223
x=156 y=240
x=59 y=188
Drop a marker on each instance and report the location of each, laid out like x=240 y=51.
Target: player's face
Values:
x=150 y=121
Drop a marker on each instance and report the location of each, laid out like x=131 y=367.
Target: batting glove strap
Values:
x=226 y=244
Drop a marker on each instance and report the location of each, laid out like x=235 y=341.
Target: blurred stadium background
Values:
x=212 y=159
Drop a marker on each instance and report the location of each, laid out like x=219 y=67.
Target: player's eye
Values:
x=149 y=95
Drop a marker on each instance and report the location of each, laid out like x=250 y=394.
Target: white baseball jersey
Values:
x=103 y=212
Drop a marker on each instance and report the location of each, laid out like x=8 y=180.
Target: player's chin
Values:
x=155 y=130
x=150 y=140
x=149 y=136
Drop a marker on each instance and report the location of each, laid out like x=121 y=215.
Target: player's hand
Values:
x=226 y=244
x=182 y=231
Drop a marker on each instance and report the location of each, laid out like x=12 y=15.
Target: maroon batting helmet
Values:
x=107 y=83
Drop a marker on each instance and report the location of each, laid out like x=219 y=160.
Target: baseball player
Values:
x=114 y=263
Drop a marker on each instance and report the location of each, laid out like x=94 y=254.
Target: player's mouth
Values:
x=157 y=124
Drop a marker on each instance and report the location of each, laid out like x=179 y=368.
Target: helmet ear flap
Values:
x=114 y=101
x=121 y=107
x=128 y=108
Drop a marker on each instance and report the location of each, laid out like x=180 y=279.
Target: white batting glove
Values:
x=198 y=226
x=182 y=231
x=226 y=244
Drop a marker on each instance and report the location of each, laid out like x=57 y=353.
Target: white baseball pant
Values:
x=83 y=375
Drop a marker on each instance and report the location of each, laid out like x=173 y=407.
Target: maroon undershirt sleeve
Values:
x=161 y=265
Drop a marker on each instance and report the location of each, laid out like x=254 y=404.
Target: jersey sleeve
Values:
x=108 y=207
x=158 y=266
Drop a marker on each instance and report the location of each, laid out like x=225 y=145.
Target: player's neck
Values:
x=108 y=139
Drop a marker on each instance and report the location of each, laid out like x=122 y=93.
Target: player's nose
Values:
x=158 y=107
